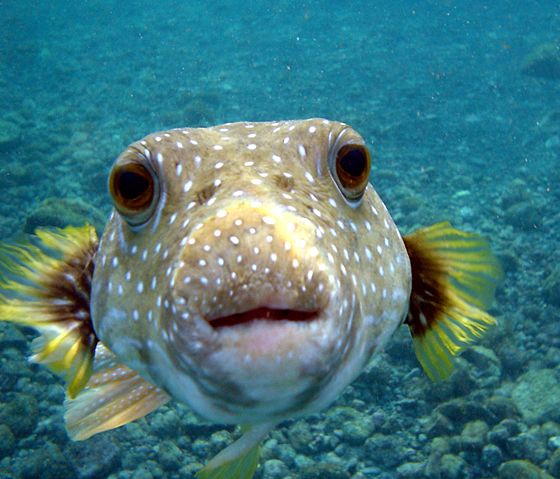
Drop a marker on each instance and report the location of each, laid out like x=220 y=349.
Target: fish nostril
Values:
x=283 y=182
x=203 y=195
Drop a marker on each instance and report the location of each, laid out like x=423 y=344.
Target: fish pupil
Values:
x=131 y=185
x=353 y=162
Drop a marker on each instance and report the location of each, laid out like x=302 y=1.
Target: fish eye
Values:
x=133 y=188
x=352 y=166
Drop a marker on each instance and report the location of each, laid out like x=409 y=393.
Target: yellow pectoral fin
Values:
x=240 y=459
x=454 y=277
x=114 y=396
x=47 y=287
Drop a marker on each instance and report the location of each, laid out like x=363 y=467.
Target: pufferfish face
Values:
x=248 y=269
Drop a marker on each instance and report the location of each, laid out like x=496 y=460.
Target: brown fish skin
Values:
x=248 y=219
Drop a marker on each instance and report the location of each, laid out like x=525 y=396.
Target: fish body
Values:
x=248 y=219
x=249 y=270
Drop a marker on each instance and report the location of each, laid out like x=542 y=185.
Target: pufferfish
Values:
x=249 y=270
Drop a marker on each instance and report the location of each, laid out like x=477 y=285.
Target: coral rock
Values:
x=536 y=396
x=521 y=469
x=543 y=62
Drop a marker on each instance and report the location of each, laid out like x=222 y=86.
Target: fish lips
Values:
x=224 y=312
x=266 y=346
x=263 y=313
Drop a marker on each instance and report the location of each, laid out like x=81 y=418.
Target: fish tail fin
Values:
x=240 y=459
x=454 y=278
x=114 y=396
x=46 y=284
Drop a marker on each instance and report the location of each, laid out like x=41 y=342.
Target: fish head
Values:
x=249 y=269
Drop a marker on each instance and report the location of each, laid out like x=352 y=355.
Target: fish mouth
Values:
x=264 y=314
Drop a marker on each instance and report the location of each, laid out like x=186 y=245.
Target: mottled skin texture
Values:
x=249 y=216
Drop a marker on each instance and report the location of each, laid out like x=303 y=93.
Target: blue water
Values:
x=457 y=132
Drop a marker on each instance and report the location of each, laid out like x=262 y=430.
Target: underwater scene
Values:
x=215 y=213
